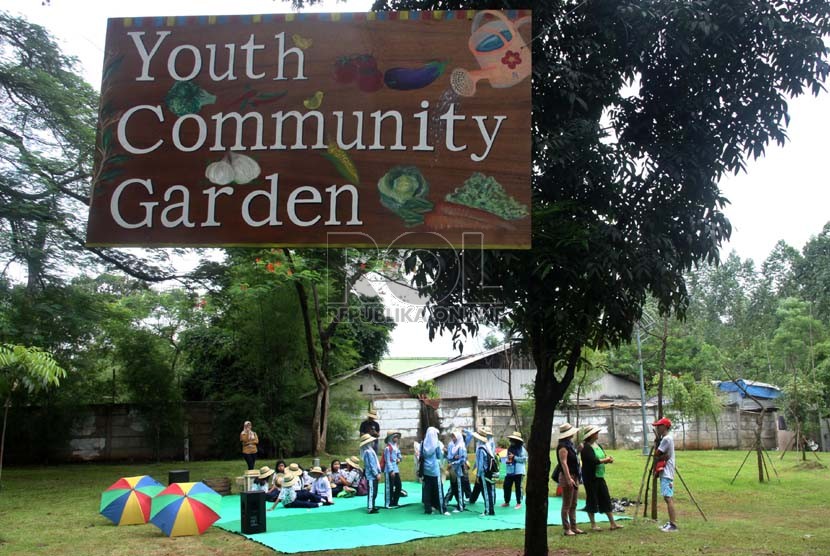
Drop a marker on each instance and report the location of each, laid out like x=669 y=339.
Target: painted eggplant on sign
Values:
x=409 y=79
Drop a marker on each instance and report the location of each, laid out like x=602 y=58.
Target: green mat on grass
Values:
x=347 y=525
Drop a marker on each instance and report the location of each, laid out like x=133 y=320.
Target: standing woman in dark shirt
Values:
x=371 y=426
x=594 y=459
x=568 y=477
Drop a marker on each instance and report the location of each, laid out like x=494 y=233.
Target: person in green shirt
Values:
x=594 y=460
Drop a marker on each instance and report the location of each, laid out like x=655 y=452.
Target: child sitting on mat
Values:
x=337 y=477
x=291 y=498
x=321 y=486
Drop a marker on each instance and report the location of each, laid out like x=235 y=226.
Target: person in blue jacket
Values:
x=516 y=459
x=371 y=470
x=457 y=458
x=491 y=442
x=430 y=471
x=483 y=476
x=392 y=474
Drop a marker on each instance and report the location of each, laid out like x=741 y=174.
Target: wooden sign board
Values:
x=367 y=129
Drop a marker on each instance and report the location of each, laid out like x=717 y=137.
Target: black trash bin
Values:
x=253 y=511
x=178 y=476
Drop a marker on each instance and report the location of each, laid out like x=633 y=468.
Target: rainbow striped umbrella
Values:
x=185 y=509
x=127 y=501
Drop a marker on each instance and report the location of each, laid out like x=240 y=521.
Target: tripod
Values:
x=795 y=441
x=648 y=470
x=761 y=454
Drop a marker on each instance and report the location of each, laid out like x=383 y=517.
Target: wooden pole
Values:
x=643 y=483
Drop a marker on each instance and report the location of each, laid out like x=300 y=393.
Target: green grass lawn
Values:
x=54 y=510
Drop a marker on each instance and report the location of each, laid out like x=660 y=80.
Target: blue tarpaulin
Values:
x=757 y=389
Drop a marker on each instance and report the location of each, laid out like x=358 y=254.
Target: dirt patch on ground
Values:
x=810 y=465
x=503 y=552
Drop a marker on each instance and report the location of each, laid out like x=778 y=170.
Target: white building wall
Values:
x=485 y=384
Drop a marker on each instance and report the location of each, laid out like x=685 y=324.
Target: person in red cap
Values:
x=665 y=470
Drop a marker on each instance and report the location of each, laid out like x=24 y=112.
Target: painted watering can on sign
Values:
x=500 y=51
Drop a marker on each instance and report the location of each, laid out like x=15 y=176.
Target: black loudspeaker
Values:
x=178 y=476
x=252 y=508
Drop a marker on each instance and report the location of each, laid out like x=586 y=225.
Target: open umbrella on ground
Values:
x=127 y=501
x=185 y=509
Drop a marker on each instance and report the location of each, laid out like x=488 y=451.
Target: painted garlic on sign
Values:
x=237 y=168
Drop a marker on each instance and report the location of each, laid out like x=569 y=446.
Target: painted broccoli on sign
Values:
x=186 y=97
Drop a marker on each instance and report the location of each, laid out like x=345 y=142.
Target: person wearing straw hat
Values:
x=371 y=470
x=515 y=469
x=264 y=483
x=568 y=474
x=321 y=486
x=457 y=457
x=371 y=426
x=295 y=470
x=664 y=456
x=352 y=472
x=290 y=498
x=432 y=493
x=594 y=460
x=391 y=471
x=491 y=443
x=484 y=479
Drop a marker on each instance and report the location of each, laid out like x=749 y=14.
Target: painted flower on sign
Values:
x=511 y=59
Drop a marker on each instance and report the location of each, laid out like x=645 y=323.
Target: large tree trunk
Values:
x=319 y=365
x=3 y=435
x=509 y=360
x=320 y=420
x=548 y=393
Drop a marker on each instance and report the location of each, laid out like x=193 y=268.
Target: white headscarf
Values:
x=430 y=441
x=456 y=444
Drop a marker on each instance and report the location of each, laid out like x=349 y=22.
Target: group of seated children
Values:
x=295 y=487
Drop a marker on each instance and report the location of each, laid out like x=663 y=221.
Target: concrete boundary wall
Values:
x=115 y=432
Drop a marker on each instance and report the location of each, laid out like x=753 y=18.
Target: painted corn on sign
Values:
x=366 y=129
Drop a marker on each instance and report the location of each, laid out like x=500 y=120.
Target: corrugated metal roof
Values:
x=393 y=366
x=431 y=372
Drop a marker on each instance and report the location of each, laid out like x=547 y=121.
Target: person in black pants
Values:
x=371 y=426
x=516 y=460
x=594 y=460
x=249 y=441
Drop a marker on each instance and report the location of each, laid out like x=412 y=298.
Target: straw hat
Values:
x=289 y=480
x=390 y=434
x=479 y=437
x=516 y=436
x=293 y=469
x=366 y=439
x=372 y=414
x=567 y=431
x=485 y=431
x=265 y=472
x=354 y=462
x=591 y=431
x=316 y=471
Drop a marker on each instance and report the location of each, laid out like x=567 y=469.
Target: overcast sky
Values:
x=784 y=195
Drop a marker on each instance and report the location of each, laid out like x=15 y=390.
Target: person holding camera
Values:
x=664 y=468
